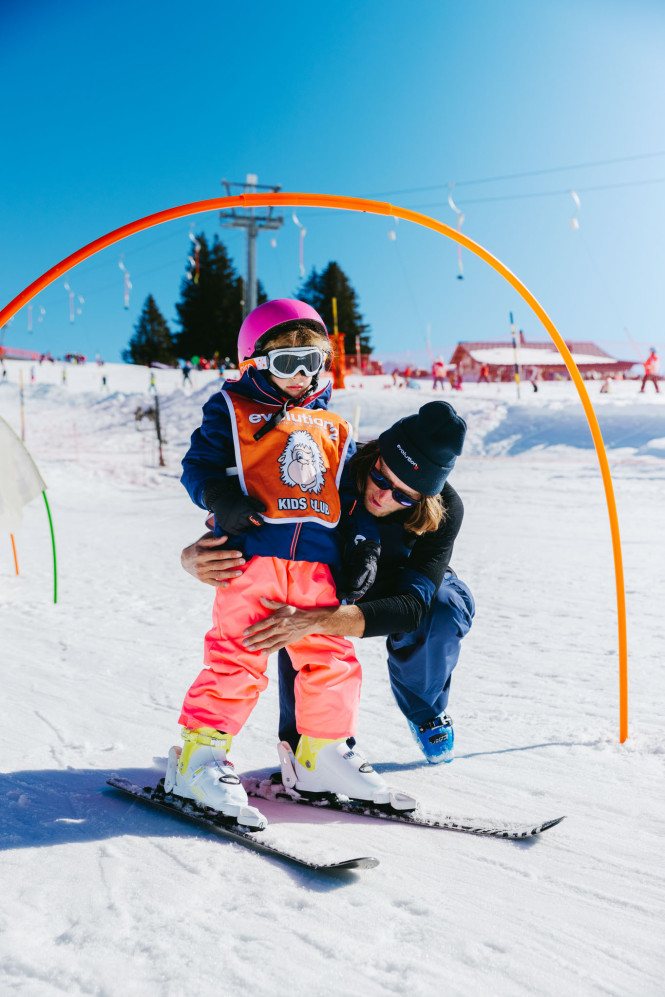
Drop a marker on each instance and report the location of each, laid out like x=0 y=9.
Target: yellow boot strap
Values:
x=309 y=747
x=207 y=735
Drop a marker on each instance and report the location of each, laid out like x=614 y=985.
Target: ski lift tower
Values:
x=252 y=222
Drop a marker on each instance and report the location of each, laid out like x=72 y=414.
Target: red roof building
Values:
x=12 y=353
x=533 y=357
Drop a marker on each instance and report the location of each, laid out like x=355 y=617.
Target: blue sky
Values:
x=111 y=113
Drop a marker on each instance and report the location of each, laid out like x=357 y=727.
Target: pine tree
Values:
x=210 y=306
x=152 y=341
x=319 y=289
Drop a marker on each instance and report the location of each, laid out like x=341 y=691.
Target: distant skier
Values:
x=439 y=373
x=455 y=378
x=266 y=462
x=651 y=368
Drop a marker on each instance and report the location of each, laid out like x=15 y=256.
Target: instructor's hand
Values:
x=285 y=625
x=210 y=564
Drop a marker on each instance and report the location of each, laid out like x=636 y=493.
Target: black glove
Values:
x=361 y=560
x=234 y=511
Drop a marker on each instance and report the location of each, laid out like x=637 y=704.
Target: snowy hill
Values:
x=101 y=897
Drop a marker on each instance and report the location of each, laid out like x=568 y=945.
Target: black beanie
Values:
x=421 y=449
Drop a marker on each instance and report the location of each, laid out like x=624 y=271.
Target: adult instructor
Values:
x=415 y=600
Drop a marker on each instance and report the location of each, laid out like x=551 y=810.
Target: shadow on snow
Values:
x=52 y=807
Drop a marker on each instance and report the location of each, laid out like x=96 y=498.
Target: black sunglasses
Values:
x=387 y=486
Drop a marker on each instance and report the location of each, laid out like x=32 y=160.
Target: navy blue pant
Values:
x=420 y=663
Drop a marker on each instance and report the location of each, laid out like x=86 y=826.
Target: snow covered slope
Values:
x=101 y=897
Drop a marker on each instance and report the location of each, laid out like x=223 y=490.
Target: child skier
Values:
x=651 y=368
x=267 y=462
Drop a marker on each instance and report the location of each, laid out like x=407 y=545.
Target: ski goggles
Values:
x=289 y=361
x=387 y=486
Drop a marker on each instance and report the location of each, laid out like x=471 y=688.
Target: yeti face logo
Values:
x=301 y=463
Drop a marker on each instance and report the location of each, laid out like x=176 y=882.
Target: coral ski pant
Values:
x=327 y=687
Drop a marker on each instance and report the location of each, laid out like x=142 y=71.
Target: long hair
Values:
x=427 y=514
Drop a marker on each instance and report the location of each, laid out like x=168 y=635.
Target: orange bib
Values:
x=295 y=468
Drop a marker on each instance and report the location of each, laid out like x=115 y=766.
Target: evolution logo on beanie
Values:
x=421 y=449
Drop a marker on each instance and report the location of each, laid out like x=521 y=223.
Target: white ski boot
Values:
x=325 y=765
x=201 y=772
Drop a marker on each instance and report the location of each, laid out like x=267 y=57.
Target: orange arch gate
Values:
x=391 y=210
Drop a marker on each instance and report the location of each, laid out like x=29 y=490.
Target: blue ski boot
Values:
x=435 y=738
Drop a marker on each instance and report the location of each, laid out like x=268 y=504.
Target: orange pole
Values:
x=14 y=549
x=382 y=208
x=339 y=350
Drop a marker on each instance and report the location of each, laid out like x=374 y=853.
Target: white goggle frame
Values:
x=271 y=361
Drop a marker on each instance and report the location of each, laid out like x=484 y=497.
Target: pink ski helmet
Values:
x=269 y=316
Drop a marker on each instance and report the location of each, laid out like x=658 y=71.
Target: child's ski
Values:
x=226 y=827
x=273 y=789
